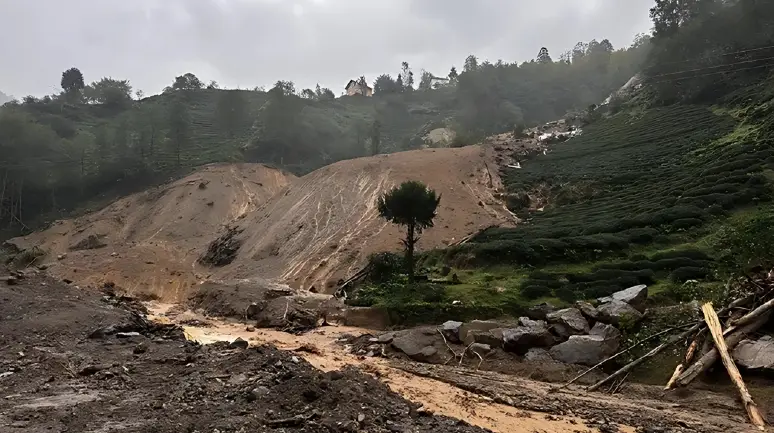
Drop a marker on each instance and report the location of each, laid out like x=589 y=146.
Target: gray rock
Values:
x=523 y=338
x=481 y=349
x=526 y=321
x=634 y=296
x=451 y=330
x=755 y=354
x=562 y=332
x=417 y=344
x=608 y=332
x=587 y=349
x=253 y=310
x=385 y=338
x=571 y=318
x=614 y=311
x=536 y=354
x=478 y=325
x=239 y=344
x=539 y=311
x=493 y=337
x=587 y=310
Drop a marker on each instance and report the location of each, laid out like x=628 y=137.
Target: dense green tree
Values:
x=543 y=56
x=413 y=205
x=109 y=92
x=426 y=80
x=72 y=81
x=187 y=81
x=408 y=76
x=385 y=84
x=453 y=74
x=471 y=64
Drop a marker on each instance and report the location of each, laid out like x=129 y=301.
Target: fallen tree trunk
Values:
x=709 y=358
x=751 y=316
x=628 y=367
x=713 y=323
x=686 y=360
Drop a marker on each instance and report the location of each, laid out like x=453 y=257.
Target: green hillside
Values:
x=671 y=188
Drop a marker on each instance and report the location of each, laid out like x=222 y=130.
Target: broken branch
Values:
x=713 y=323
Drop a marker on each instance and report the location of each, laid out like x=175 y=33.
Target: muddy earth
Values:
x=72 y=361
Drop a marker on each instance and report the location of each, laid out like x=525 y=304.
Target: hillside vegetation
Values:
x=669 y=188
x=100 y=140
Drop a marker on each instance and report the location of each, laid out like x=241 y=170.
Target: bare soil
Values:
x=57 y=374
x=308 y=232
x=512 y=402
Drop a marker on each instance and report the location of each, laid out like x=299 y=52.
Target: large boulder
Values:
x=539 y=311
x=477 y=325
x=588 y=349
x=571 y=318
x=634 y=296
x=523 y=338
x=615 y=311
x=492 y=337
x=587 y=310
x=755 y=354
x=418 y=344
x=451 y=330
x=526 y=321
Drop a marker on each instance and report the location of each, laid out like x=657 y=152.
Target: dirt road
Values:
x=501 y=403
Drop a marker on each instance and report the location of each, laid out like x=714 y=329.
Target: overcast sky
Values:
x=248 y=43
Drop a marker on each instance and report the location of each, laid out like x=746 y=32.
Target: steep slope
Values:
x=151 y=240
x=324 y=226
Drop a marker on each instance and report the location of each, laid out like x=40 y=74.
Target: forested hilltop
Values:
x=59 y=152
x=670 y=188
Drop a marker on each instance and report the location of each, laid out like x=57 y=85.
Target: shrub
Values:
x=384 y=267
x=681 y=275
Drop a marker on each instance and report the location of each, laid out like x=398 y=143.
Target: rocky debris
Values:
x=755 y=354
x=451 y=330
x=385 y=338
x=587 y=310
x=523 y=338
x=492 y=337
x=540 y=311
x=222 y=250
x=537 y=354
x=417 y=344
x=480 y=349
x=634 y=296
x=591 y=349
x=526 y=321
x=239 y=343
x=615 y=311
x=478 y=325
x=9 y=280
x=90 y=242
x=571 y=318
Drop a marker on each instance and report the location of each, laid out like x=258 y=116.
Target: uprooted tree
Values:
x=411 y=204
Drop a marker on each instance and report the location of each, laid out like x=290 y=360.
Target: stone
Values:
x=253 y=310
x=571 y=318
x=614 y=311
x=634 y=296
x=9 y=280
x=417 y=344
x=385 y=338
x=605 y=331
x=239 y=343
x=587 y=310
x=478 y=325
x=537 y=354
x=451 y=330
x=540 y=311
x=562 y=332
x=526 y=321
x=755 y=355
x=493 y=337
x=481 y=349
x=523 y=338
x=587 y=349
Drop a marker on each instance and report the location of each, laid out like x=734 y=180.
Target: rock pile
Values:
x=582 y=334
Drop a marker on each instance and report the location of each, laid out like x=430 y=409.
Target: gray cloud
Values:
x=249 y=43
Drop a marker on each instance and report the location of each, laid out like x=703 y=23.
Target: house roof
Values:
x=354 y=82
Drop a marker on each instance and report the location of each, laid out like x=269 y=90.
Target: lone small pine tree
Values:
x=411 y=204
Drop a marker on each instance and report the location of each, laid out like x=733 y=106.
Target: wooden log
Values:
x=590 y=369
x=709 y=358
x=713 y=323
x=689 y=354
x=751 y=316
x=628 y=367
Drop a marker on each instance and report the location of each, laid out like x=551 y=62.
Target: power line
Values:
x=768 y=47
x=713 y=73
x=711 y=67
